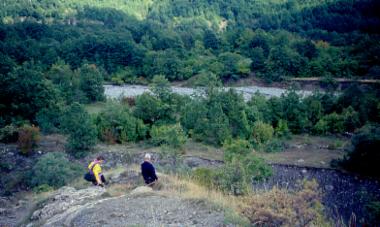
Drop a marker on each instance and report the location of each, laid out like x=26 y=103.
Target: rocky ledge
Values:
x=142 y=206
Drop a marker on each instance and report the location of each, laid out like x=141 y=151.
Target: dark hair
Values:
x=100 y=158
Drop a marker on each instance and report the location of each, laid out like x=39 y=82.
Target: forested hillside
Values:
x=136 y=39
x=57 y=55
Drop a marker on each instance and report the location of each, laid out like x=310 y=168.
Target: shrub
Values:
x=6 y=166
x=333 y=123
x=42 y=188
x=116 y=124
x=91 y=82
x=274 y=145
x=236 y=149
x=9 y=133
x=256 y=168
x=279 y=207
x=77 y=123
x=232 y=178
x=12 y=182
x=351 y=119
x=150 y=109
x=237 y=175
x=170 y=135
x=365 y=158
x=282 y=129
x=262 y=133
x=28 y=137
x=55 y=170
x=49 y=119
x=204 y=176
x=373 y=213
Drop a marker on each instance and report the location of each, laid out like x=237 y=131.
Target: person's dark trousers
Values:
x=102 y=178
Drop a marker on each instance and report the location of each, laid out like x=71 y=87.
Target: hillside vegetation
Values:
x=181 y=39
x=55 y=57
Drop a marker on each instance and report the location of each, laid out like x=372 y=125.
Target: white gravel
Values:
x=113 y=91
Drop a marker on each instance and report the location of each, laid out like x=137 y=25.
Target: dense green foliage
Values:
x=54 y=169
x=241 y=167
x=169 y=135
x=180 y=39
x=365 y=156
x=116 y=124
x=77 y=124
x=56 y=53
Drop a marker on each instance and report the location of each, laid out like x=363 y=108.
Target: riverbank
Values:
x=116 y=91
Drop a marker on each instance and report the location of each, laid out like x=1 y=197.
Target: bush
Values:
x=151 y=109
x=332 y=123
x=233 y=178
x=351 y=119
x=9 y=133
x=256 y=168
x=91 y=82
x=170 y=135
x=42 y=188
x=117 y=124
x=49 y=119
x=80 y=128
x=262 y=133
x=236 y=149
x=237 y=175
x=204 y=177
x=55 y=170
x=274 y=145
x=282 y=129
x=283 y=208
x=12 y=182
x=373 y=213
x=28 y=137
x=365 y=156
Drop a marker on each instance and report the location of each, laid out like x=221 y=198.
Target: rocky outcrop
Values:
x=65 y=201
x=142 y=206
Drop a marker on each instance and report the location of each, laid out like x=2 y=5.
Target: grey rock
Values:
x=141 y=190
x=65 y=198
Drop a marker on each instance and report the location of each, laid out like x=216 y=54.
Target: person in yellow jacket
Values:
x=95 y=172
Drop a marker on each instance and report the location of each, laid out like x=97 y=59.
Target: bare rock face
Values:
x=67 y=199
x=141 y=207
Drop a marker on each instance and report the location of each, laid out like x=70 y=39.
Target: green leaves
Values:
x=77 y=123
x=54 y=169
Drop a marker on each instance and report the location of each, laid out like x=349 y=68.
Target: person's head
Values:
x=100 y=158
x=147 y=157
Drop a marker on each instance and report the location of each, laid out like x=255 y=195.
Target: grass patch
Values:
x=95 y=108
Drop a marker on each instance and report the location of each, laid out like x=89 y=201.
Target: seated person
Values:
x=148 y=171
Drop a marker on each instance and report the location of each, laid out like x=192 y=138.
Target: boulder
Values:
x=65 y=198
x=141 y=190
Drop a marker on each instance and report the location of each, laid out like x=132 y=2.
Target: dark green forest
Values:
x=135 y=40
x=56 y=56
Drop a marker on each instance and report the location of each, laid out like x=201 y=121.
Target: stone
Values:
x=304 y=171
x=64 y=198
x=300 y=160
x=141 y=190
